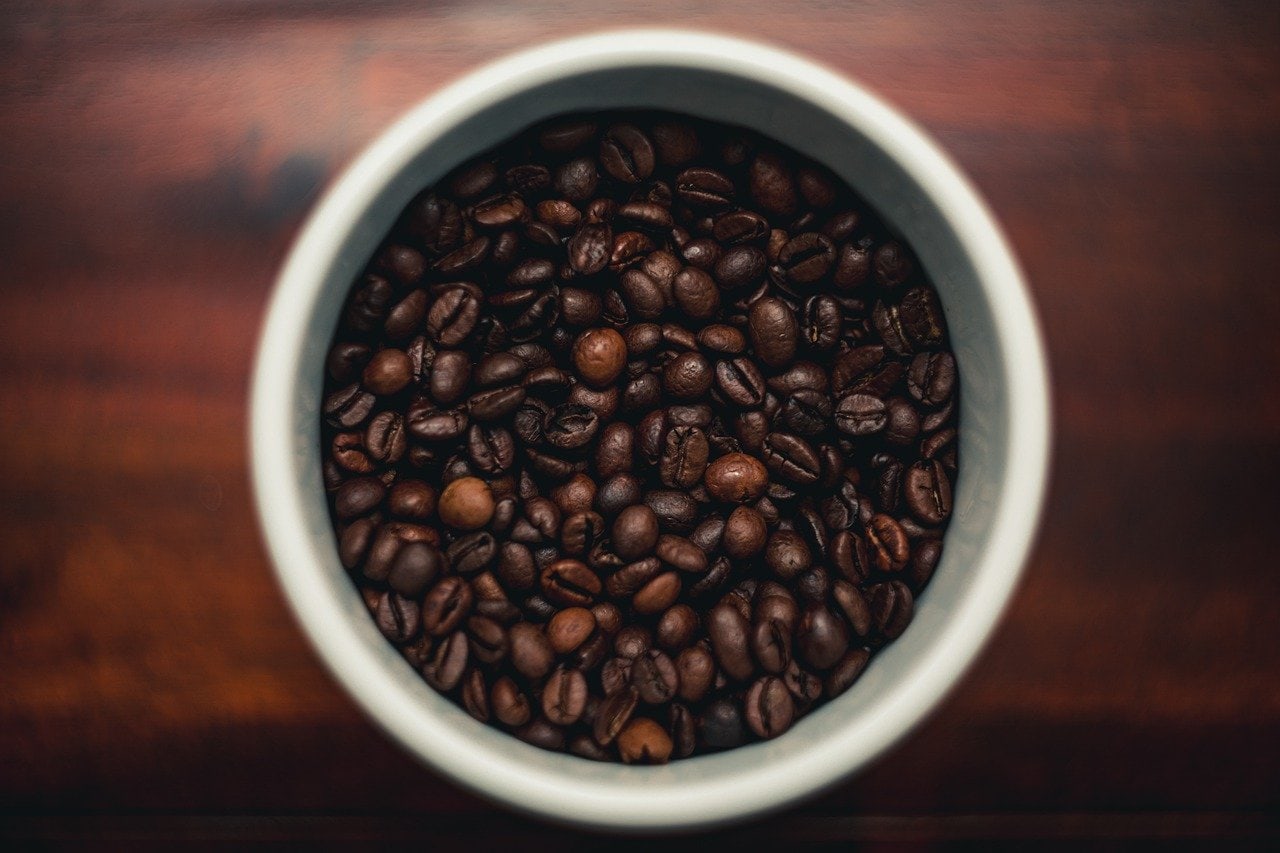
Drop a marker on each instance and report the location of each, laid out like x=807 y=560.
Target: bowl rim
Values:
x=557 y=796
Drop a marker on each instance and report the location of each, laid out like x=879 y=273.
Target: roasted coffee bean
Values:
x=728 y=630
x=822 y=637
x=736 y=267
x=617 y=493
x=791 y=458
x=688 y=376
x=806 y=258
x=745 y=533
x=564 y=696
x=398 y=618
x=570 y=582
x=657 y=595
x=643 y=741
x=887 y=543
x=466 y=504
x=626 y=153
x=358 y=496
x=807 y=412
x=786 y=554
x=349 y=452
x=924 y=560
x=736 y=478
x=635 y=532
x=531 y=653
x=861 y=415
x=680 y=553
x=488 y=640
x=684 y=457
x=446 y=605
x=927 y=491
x=676 y=510
x=769 y=708
x=614 y=714
x=654 y=677
x=740 y=381
x=772 y=328
x=448 y=664
x=721 y=726
x=415 y=567
x=740 y=226
x=473 y=552
x=892 y=607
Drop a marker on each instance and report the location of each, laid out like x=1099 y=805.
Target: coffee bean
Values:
x=453 y=316
x=927 y=491
x=414 y=568
x=786 y=554
x=626 y=153
x=772 y=186
x=688 y=376
x=654 y=677
x=570 y=582
x=740 y=381
x=773 y=332
x=564 y=696
x=385 y=439
x=398 y=618
x=599 y=356
x=466 y=504
x=806 y=258
x=744 y=533
x=635 y=532
x=657 y=595
x=358 y=496
x=807 y=412
x=728 y=630
x=643 y=741
x=448 y=664
x=721 y=726
x=446 y=605
x=769 y=707
x=822 y=637
x=736 y=478
x=614 y=714
x=791 y=458
x=684 y=457
x=887 y=543
x=736 y=267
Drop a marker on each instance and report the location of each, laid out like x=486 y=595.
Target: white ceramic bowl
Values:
x=1003 y=413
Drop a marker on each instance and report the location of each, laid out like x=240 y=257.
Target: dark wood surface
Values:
x=155 y=162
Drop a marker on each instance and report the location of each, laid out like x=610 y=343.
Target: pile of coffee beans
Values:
x=639 y=436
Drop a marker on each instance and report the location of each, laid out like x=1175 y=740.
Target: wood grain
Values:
x=156 y=162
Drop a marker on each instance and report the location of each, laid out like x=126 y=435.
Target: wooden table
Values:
x=157 y=159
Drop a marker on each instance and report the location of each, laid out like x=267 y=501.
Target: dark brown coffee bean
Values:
x=387 y=373
x=821 y=638
x=688 y=376
x=773 y=332
x=680 y=553
x=924 y=560
x=684 y=457
x=614 y=714
x=599 y=356
x=736 y=478
x=740 y=381
x=791 y=458
x=846 y=671
x=657 y=595
x=635 y=532
x=740 y=226
x=414 y=569
x=772 y=185
x=448 y=664
x=627 y=154
x=564 y=696
x=398 y=618
x=384 y=438
x=932 y=377
x=531 y=653
x=446 y=605
x=927 y=491
x=892 y=607
x=488 y=640
x=696 y=294
x=728 y=630
x=358 y=496
x=721 y=726
x=786 y=554
x=348 y=451
x=744 y=533
x=769 y=708
x=807 y=258
x=807 y=412
x=861 y=415
x=887 y=543
x=654 y=677
x=737 y=267
x=570 y=582
x=473 y=552
x=700 y=187
x=721 y=339
x=452 y=317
